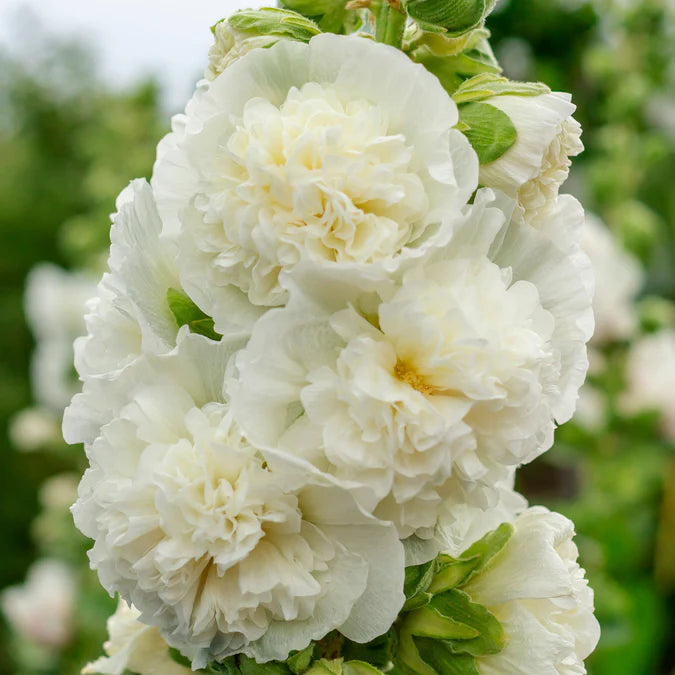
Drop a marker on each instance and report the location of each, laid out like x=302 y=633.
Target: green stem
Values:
x=390 y=18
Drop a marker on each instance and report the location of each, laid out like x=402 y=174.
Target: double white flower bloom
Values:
x=250 y=495
x=222 y=551
x=299 y=152
x=456 y=367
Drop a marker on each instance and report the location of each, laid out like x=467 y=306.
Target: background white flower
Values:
x=539 y=593
x=220 y=552
x=298 y=152
x=134 y=646
x=650 y=374
x=41 y=609
x=618 y=280
x=55 y=300
x=538 y=163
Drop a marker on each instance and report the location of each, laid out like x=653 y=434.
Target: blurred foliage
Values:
x=616 y=483
x=68 y=146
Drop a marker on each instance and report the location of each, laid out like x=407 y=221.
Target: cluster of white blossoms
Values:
x=319 y=355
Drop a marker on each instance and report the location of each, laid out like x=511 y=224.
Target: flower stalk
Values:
x=390 y=20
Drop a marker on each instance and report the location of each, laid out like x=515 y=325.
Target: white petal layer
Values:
x=222 y=552
x=298 y=152
x=457 y=367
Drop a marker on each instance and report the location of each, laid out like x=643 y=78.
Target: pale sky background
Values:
x=168 y=38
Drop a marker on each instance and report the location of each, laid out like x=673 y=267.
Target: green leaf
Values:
x=187 y=313
x=443 y=660
x=179 y=658
x=458 y=606
x=454 y=572
x=491 y=132
x=248 y=666
x=299 y=662
x=274 y=21
x=456 y=16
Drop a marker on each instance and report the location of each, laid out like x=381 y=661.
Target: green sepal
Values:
x=248 y=666
x=429 y=622
x=274 y=21
x=314 y=7
x=455 y=16
x=377 y=652
x=443 y=660
x=359 y=668
x=326 y=667
x=186 y=313
x=179 y=658
x=342 y=667
x=453 y=59
x=487 y=85
x=331 y=16
x=490 y=132
x=418 y=578
x=300 y=661
x=457 y=605
x=228 y=666
x=455 y=572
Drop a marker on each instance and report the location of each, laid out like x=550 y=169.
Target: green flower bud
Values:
x=455 y=16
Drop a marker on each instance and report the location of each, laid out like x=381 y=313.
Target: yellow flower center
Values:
x=406 y=373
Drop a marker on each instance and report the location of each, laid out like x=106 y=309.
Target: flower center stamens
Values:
x=405 y=373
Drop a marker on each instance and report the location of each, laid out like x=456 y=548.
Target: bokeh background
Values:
x=86 y=91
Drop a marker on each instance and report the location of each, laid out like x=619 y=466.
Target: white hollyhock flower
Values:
x=55 y=303
x=618 y=279
x=538 y=163
x=130 y=313
x=539 y=593
x=41 y=609
x=134 y=646
x=460 y=367
x=592 y=411
x=299 y=152
x=222 y=552
x=650 y=375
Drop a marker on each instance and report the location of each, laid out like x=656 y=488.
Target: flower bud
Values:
x=455 y=16
x=251 y=29
x=533 y=169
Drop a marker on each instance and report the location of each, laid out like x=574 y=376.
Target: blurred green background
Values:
x=69 y=145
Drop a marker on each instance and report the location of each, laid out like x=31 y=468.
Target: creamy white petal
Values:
x=295 y=152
